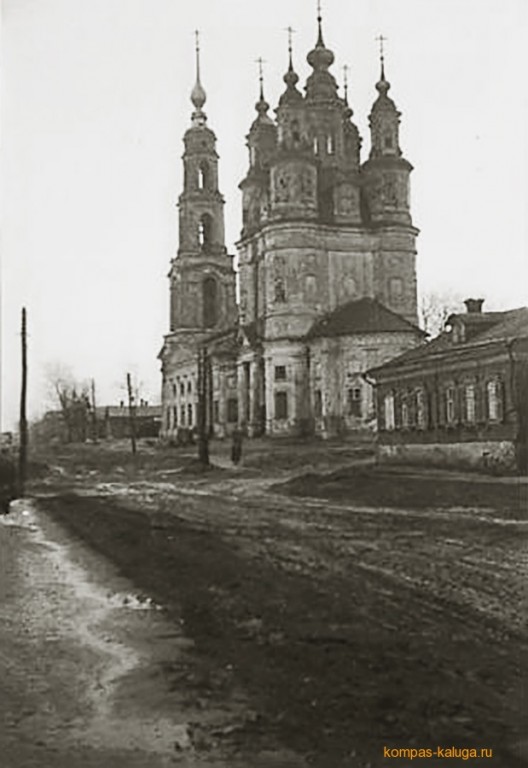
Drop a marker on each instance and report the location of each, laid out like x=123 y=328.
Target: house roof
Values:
x=496 y=327
x=365 y=315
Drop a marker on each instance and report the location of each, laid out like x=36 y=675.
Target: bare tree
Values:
x=434 y=309
x=73 y=399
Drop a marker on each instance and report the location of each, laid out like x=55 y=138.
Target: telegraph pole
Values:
x=22 y=456
x=131 y=414
x=203 y=437
x=94 y=413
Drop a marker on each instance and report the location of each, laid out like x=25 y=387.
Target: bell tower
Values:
x=202 y=278
x=386 y=176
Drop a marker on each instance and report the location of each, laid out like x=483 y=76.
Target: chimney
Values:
x=474 y=306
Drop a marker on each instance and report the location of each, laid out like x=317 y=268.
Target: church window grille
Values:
x=203 y=176
x=205 y=230
x=396 y=289
x=318 y=404
x=281 y=405
x=310 y=286
x=388 y=409
x=354 y=401
x=210 y=302
x=280 y=292
x=296 y=134
x=232 y=410
x=280 y=373
x=189 y=415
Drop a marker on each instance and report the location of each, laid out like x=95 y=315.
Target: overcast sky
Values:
x=95 y=101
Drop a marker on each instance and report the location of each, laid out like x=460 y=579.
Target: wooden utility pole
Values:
x=203 y=437
x=131 y=414
x=94 y=413
x=22 y=456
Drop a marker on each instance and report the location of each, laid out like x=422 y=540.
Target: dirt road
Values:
x=83 y=662
x=349 y=628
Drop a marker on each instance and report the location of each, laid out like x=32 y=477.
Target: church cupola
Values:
x=384 y=121
x=321 y=84
x=294 y=167
x=386 y=172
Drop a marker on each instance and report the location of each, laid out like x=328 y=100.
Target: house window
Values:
x=280 y=373
x=494 y=398
x=420 y=409
x=450 y=405
x=189 y=415
x=182 y=415
x=469 y=404
x=388 y=408
x=232 y=410
x=216 y=411
x=354 y=401
x=281 y=405
x=318 y=404
x=405 y=415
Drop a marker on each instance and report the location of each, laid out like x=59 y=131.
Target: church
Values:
x=326 y=267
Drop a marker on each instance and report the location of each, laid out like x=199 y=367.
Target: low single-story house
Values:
x=460 y=400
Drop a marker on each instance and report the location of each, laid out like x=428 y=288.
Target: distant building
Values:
x=462 y=399
x=327 y=260
x=113 y=422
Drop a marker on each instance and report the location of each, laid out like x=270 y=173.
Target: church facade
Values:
x=326 y=268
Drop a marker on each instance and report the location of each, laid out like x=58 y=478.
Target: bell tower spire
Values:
x=202 y=277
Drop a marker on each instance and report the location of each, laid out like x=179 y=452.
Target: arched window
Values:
x=203 y=176
x=205 y=230
x=210 y=302
x=330 y=144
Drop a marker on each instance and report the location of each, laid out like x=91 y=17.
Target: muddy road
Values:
x=347 y=628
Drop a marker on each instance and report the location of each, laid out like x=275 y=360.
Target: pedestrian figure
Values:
x=236 y=447
x=7 y=480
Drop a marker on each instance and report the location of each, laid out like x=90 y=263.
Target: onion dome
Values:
x=291 y=78
x=321 y=85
